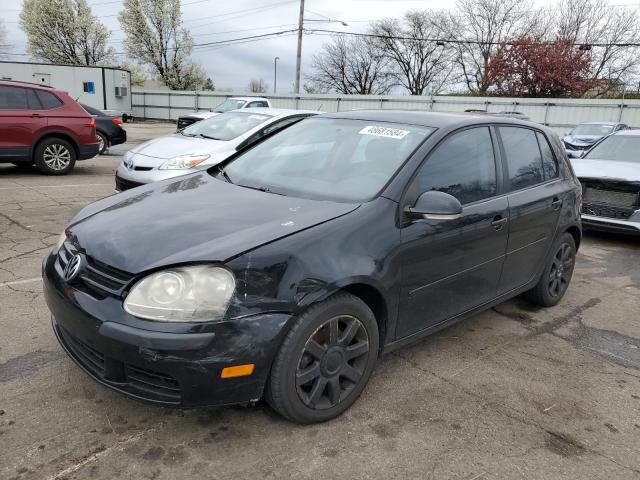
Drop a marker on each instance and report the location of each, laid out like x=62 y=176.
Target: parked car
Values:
x=44 y=126
x=610 y=178
x=288 y=269
x=202 y=145
x=233 y=103
x=108 y=129
x=586 y=135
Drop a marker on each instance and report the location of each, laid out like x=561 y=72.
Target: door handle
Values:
x=556 y=203
x=498 y=222
x=36 y=115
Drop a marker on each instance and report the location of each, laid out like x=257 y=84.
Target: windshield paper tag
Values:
x=384 y=132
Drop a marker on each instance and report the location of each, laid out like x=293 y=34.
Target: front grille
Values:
x=608 y=211
x=153 y=383
x=577 y=147
x=142 y=382
x=610 y=198
x=186 y=121
x=123 y=184
x=97 y=278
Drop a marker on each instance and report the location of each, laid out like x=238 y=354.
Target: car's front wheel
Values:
x=325 y=360
x=54 y=156
x=557 y=274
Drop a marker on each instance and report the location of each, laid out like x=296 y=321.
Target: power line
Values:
x=444 y=41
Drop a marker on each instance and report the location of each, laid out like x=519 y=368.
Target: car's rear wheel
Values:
x=103 y=143
x=325 y=360
x=54 y=156
x=557 y=274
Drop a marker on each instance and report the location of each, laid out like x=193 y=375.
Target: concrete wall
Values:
x=71 y=78
x=560 y=114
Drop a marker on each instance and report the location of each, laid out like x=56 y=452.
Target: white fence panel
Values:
x=560 y=114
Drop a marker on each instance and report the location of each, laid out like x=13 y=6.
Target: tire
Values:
x=557 y=273
x=325 y=361
x=104 y=143
x=55 y=156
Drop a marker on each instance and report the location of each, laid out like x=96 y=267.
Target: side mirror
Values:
x=435 y=205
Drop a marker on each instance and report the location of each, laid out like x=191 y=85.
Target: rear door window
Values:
x=48 y=99
x=32 y=99
x=463 y=166
x=523 y=157
x=13 y=98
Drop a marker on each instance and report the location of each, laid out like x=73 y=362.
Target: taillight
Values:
x=580 y=202
x=117 y=121
x=91 y=122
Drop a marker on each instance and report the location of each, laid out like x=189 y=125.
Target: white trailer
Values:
x=104 y=88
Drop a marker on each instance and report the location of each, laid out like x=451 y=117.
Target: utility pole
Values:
x=299 y=52
x=275 y=73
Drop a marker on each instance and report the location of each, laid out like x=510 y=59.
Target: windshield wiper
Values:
x=225 y=175
x=263 y=189
x=208 y=137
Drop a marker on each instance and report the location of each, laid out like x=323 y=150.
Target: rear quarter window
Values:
x=48 y=100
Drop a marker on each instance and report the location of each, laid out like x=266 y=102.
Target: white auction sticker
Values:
x=384 y=132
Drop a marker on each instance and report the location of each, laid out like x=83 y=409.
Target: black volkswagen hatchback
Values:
x=286 y=271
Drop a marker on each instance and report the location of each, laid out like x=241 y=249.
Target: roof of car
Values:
x=276 y=112
x=18 y=83
x=248 y=99
x=427 y=119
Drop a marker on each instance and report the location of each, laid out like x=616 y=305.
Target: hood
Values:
x=191 y=219
x=170 y=146
x=582 y=139
x=588 y=168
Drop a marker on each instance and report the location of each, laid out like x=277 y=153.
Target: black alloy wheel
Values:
x=561 y=270
x=325 y=360
x=556 y=276
x=333 y=362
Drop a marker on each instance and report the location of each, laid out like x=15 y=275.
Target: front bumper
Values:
x=174 y=364
x=631 y=226
x=126 y=179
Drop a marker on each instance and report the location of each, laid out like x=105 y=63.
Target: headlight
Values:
x=183 y=162
x=184 y=294
x=58 y=245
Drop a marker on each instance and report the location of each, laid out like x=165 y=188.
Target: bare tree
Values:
x=418 y=61
x=155 y=37
x=64 y=31
x=585 y=22
x=477 y=27
x=258 y=85
x=351 y=66
x=138 y=72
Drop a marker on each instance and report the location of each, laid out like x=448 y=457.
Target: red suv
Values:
x=44 y=126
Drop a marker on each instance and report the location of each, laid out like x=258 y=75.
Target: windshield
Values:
x=328 y=159
x=229 y=104
x=592 y=129
x=226 y=126
x=621 y=148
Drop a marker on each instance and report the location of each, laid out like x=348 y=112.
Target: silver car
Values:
x=610 y=178
x=201 y=145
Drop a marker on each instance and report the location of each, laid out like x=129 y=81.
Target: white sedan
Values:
x=201 y=145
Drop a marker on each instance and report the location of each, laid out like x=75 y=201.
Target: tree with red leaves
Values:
x=528 y=67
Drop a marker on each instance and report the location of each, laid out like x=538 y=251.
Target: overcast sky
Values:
x=232 y=66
